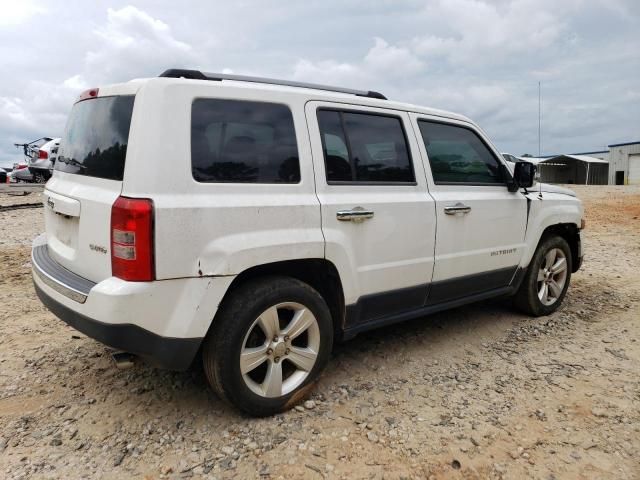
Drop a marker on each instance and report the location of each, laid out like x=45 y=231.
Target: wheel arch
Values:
x=319 y=273
x=571 y=233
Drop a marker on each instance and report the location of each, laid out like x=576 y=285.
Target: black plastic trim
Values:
x=402 y=304
x=43 y=262
x=471 y=184
x=218 y=77
x=577 y=263
x=372 y=94
x=459 y=287
x=371 y=184
x=185 y=73
x=164 y=352
x=426 y=310
x=370 y=307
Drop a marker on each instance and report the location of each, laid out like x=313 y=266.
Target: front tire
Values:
x=268 y=345
x=547 y=279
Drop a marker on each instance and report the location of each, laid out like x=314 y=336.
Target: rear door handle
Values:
x=356 y=214
x=457 y=208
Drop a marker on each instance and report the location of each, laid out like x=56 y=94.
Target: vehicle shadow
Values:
x=181 y=395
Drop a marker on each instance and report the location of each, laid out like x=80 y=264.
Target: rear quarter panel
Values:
x=211 y=229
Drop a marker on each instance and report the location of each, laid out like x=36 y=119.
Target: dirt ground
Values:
x=477 y=392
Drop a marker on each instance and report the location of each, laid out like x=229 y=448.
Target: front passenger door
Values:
x=480 y=224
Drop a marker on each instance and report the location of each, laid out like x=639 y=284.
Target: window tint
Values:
x=243 y=142
x=364 y=147
x=334 y=144
x=95 y=139
x=457 y=154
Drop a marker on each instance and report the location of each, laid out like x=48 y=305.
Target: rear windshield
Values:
x=95 y=140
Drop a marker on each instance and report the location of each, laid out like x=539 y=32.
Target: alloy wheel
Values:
x=280 y=349
x=552 y=276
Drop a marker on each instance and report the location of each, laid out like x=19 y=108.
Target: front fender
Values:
x=551 y=209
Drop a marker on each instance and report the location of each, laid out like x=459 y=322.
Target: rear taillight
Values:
x=42 y=155
x=132 y=239
x=20 y=167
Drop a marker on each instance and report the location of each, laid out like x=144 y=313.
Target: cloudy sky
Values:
x=477 y=57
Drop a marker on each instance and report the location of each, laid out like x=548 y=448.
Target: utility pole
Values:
x=539 y=119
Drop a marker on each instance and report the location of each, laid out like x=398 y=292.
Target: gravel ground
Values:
x=18 y=227
x=477 y=392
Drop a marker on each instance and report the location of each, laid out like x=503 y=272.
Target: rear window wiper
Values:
x=71 y=161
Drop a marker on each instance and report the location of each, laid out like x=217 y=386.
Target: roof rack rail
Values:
x=198 y=75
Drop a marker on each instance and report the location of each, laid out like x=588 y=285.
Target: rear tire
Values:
x=547 y=279
x=269 y=343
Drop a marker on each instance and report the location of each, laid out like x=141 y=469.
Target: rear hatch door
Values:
x=86 y=182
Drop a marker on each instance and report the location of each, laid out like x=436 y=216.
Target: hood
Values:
x=546 y=187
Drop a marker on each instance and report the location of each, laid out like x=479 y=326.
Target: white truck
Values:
x=259 y=221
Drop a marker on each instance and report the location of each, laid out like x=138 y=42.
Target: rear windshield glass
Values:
x=95 y=140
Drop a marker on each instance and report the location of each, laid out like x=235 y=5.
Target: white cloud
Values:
x=133 y=44
x=481 y=58
x=75 y=82
x=472 y=31
x=329 y=72
x=382 y=60
x=392 y=60
x=15 y=13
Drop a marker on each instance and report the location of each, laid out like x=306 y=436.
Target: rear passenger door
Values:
x=481 y=225
x=377 y=217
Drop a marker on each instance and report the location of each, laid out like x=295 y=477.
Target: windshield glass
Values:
x=96 y=137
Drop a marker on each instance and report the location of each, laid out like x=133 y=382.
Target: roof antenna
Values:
x=539 y=139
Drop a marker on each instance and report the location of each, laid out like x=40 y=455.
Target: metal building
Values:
x=624 y=161
x=574 y=169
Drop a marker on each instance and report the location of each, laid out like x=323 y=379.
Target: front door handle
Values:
x=356 y=214
x=457 y=208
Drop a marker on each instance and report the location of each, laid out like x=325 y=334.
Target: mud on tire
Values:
x=269 y=327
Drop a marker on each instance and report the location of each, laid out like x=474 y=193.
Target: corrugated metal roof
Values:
x=581 y=158
x=535 y=160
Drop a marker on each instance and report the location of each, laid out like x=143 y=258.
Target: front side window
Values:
x=243 y=142
x=362 y=147
x=458 y=155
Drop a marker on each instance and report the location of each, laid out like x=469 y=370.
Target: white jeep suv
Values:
x=259 y=221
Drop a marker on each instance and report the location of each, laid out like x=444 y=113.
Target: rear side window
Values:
x=243 y=142
x=458 y=155
x=362 y=147
x=95 y=139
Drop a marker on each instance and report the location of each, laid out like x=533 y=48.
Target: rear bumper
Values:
x=163 y=321
x=22 y=174
x=163 y=352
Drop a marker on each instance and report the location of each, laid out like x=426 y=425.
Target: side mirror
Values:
x=523 y=176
